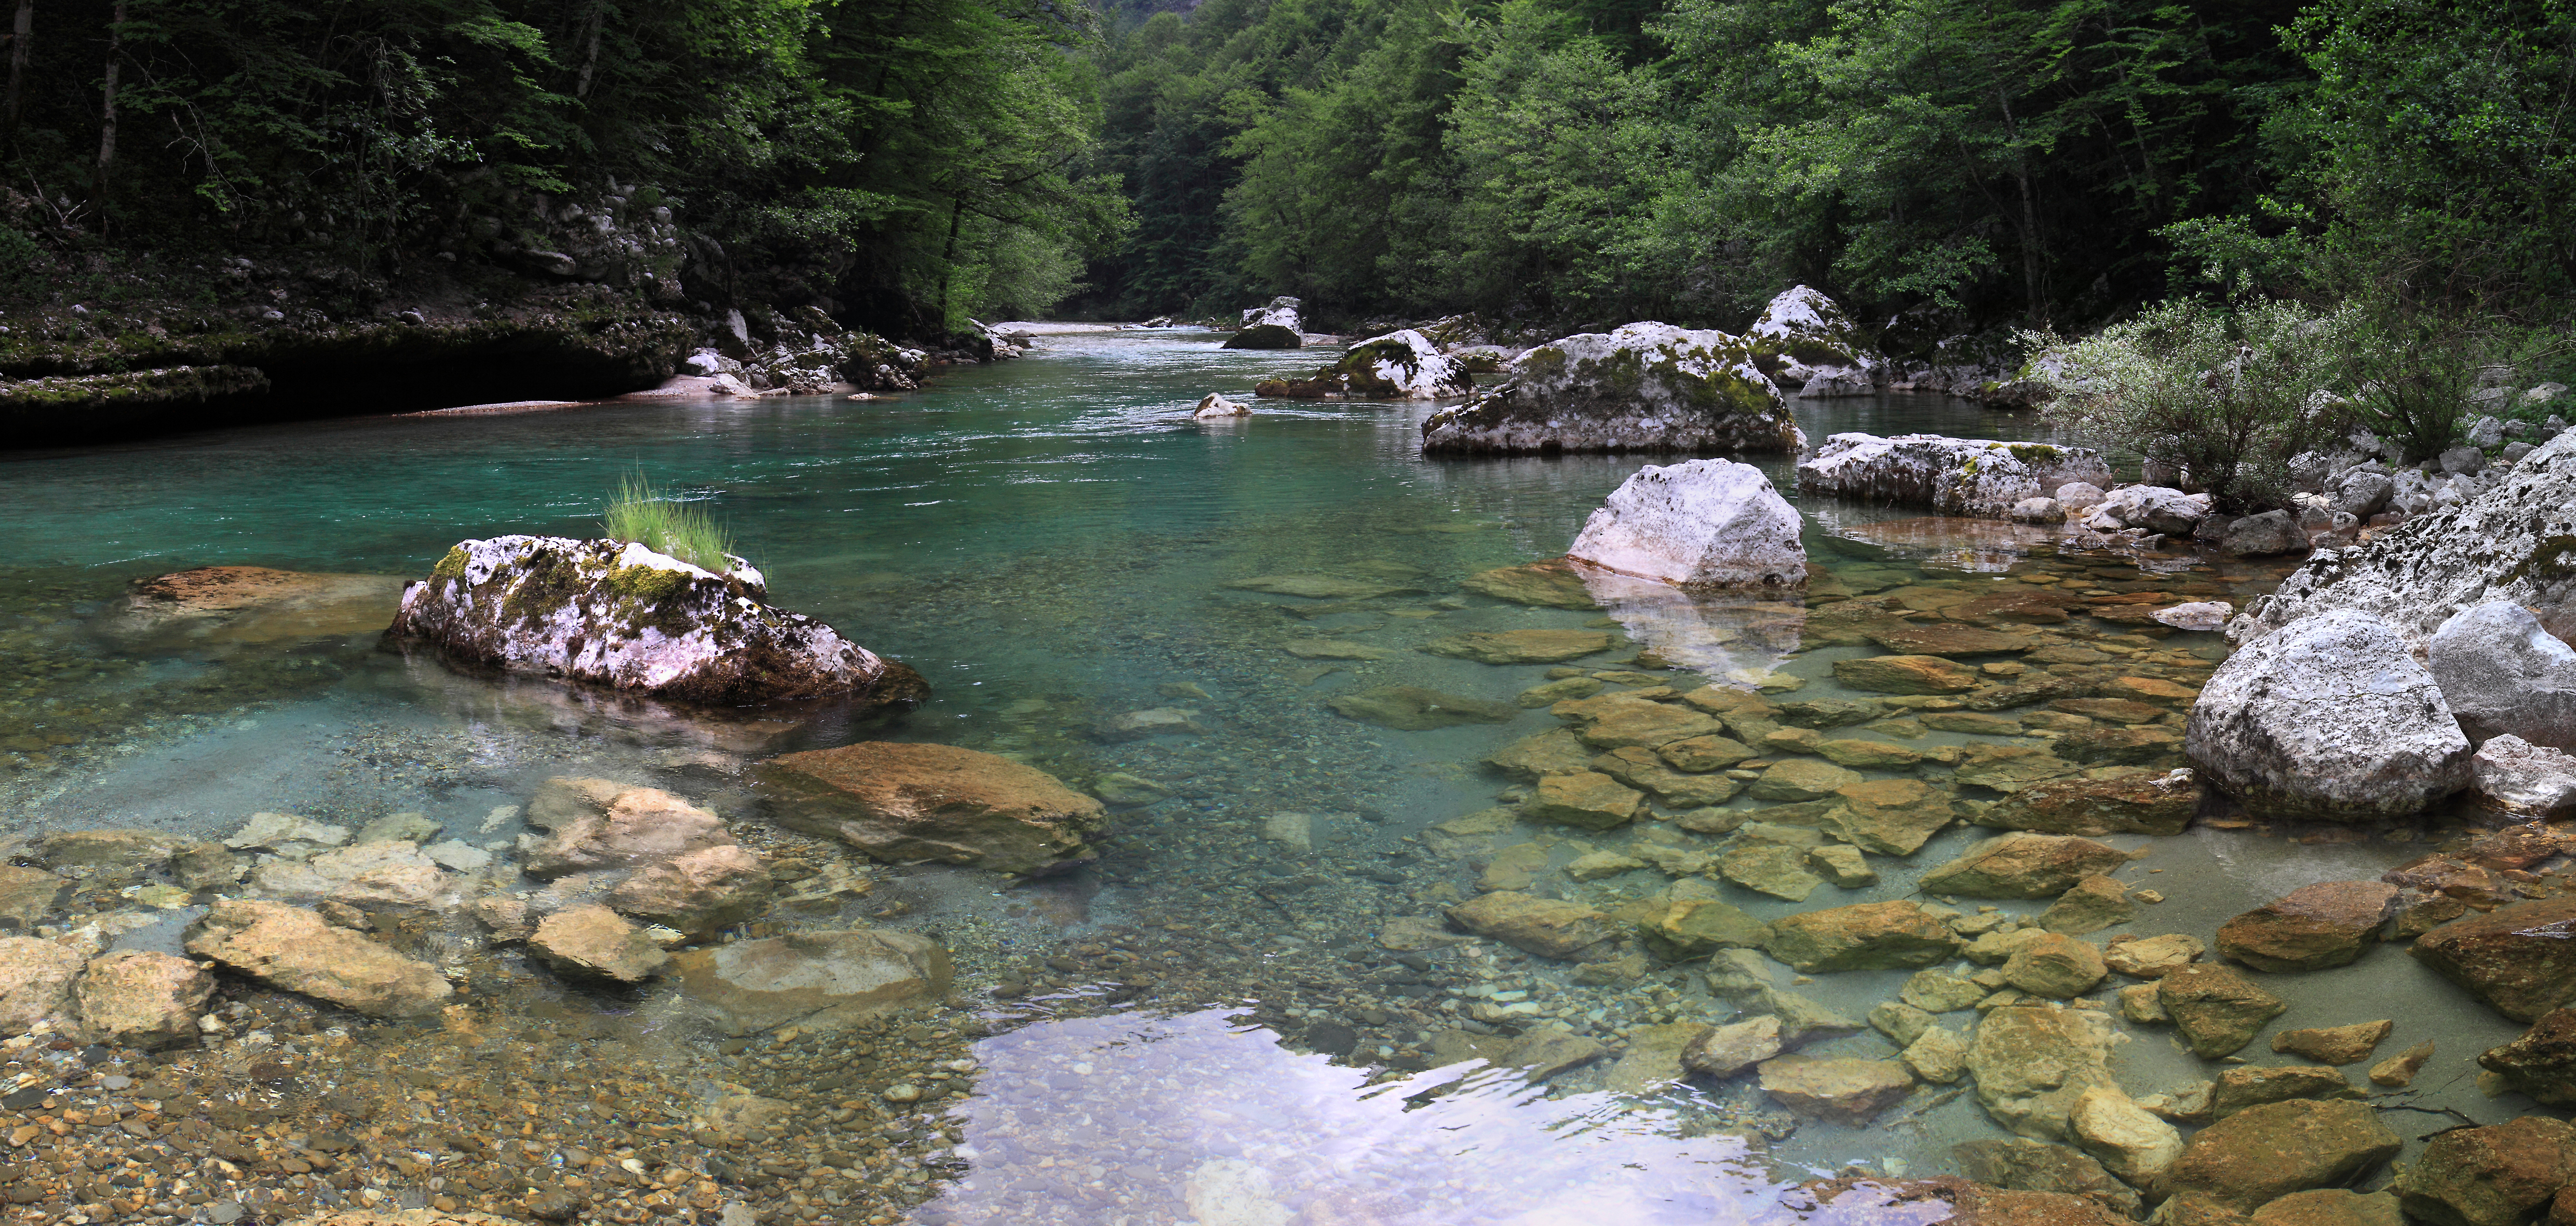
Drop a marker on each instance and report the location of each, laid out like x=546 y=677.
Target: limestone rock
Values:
x=2133 y=804
x=1938 y=1055
x=1644 y=388
x=1939 y=991
x=1893 y=817
x=698 y=892
x=2153 y=957
x=252 y=604
x=2128 y=1139
x=1590 y=800
x=2516 y=777
x=1727 y=1050
x=2055 y=966
x=1810 y=345
x=1654 y=1057
x=641 y=826
x=1521 y=646
x=1864 y=936
x=2500 y=1175
x=619 y=615
x=282 y=831
x=2502 y=545
x=1689 y=927
x=1401 y=365
x=814 y=979
x=2264 y=1153
x=35 y=982
x=1699 y=523
x=2328 y=719
x=1648 y=725
x=907 y=803
x=2518 y=957
x=1215 y=406
x=1411 y=708
x=2504 y=675
x=2037 y=1166
x=593 y=942
x=2090 y=905
x=2032 y=1062
x=1801 y=779
x=2264 y=534
x=137 y=998
x=2154 y=508
x=1544 y=926
x=28 y=895
x=2022 y=865
x=1906 y=675
x=2217 y=1010
x=2311 y=928
x=1953 y=476
x=2334 y=1045
x=1769 y=868
x=2398 y=1071
x=108 y=849
x=2332 y=1207
x=1544 y=1051
x=292 y=948
x=2542 y=1063
x=1556 y=751
x=2239 y=1088
x=1844 y=1091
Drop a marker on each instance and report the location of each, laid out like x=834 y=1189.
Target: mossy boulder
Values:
x=1397 y=366
x=1647 y=387
x=1265 y=336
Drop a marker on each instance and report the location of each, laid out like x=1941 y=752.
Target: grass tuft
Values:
x=653 y=519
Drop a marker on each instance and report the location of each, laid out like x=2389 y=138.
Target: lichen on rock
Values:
x=1646 y=387
x=1402 y=365
x=1954 y=476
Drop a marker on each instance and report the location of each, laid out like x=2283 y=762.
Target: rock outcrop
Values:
x=1647 y=387
x=907 y=803
x=1397 y=366
x=2329 y=719
x=1809 y=346
x=2503 y=674
x=1699 y=523
x=619 y=615
x=1953 y=476
x=2515 y=542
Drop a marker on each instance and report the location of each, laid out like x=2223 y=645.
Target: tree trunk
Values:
x=2029 y=214
x=107 y=110
x=590 y=51
x=948 y=259
x=20 y=36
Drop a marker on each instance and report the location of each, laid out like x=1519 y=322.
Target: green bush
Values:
x=2222 y=396
x=651 y=518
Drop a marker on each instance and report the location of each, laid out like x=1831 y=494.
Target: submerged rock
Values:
x=292 y=948
x=2500 y=1175
x=2542 y=1063
x=35 y=981
x=812 y=979
x=699 y=892
x=2031 y=1062
x=2334 y=1045
x=2518 y=958
x=2131 y=804
x=1724 y=1051
x=2128 y=1139
x=1977 y=477
x=1411 y=708
x=2037 y=1166
x=2217 y=1010
x=2264 y=1153
x=595 y=943
x=1865 y=936
x=2330 y=719
x=1547 y=927
x=1397 y=366
x=620 y=615
x=141 y=998
x=632 y=827
x=1699 y=523
x=253 y=604
x=1647 y=387
x=1521 y=646
x=906 y=803
x=2311 y=928
x=2023 y=865
x=1845 y=1091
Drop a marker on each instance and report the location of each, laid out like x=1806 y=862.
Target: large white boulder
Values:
x=2515 y=542
x=1401 y=365
x=2155 y=508
x=1647 y=387
x=1281 y=313
x=618 y=614
x=2504 y=674
x=1809 y=345
x=1699 y=523
x=2329 y=719
x=1954 y=476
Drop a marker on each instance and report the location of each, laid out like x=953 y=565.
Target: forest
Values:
x=907 y=164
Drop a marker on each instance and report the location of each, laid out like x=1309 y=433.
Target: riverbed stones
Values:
x=1689 y=927
x=2311 y=928
x=1863 y=936
x=2500 y=1175
x=2239 y=1088
x=1842 y=1090
x=2022 y=865
x=815 y=980
x=2128 y=1139
x=2334 y=1045
x=2328 y=719
x=1643 y=388
x=2541 y=1063
x=1411 y=708
x=2031 y=1062
x=2503 y=674
x=1548 y=927
x=1697 y=524
x=906 y=803
x=2157 y=804
x=617 y=614
x=1724 y=1051
x=1974 y=477
x=1939 y=991
x=2518 y=958
x=1552 y=583
x=2153 y=957
x=1646 y=724
x=141 y=998
x=2517 y=778
x=699 y=892
x=1319 y=587
x=1906 y=675
x=1893 y=817
x=1801 y=779
x=1521 y=646
x=35 y=981
x=1775 y=869
x=2217 y=1010
x=1946 y=639
x=2037 y=1166
x=292 y=948
x=286 y=832
x=28 y=895
x=638 y=826
x=2055 y=966
x=2092 y=904
x=594 y=942
x=1704 y=753
x=1556 y=751
x=2264 y=1153
x=1589 y=800
x=2332 y=1207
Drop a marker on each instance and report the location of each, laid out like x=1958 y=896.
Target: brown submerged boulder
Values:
x=906 y=803
x=253 y=604
x=1865 y=936
x=2312 y=928
x=2217 y=1010
x=2263 y=1153
x=1547 y=927
x=292 y=948
x=814 y=979
x=2542 y=1063
x=2501 y=1175
x=2022 y=865
x=2519 y=958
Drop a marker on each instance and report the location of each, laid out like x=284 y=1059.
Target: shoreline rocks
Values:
x=1973 y=477
x=619 y=615
x=1646 y=387
x=1699 y=524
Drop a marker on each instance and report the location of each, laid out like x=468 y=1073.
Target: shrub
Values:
x=2223 y=397
x=665 y=525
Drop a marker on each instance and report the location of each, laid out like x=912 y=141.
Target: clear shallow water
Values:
x=1050 y=542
